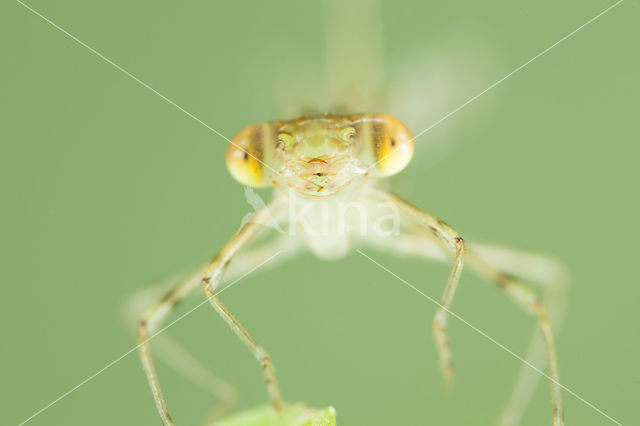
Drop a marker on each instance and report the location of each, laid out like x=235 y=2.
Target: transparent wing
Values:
x=419 y=85
x=430 y=81
x=354 y=56
x=348 y=76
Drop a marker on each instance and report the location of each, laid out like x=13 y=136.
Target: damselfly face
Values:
x=319 y=155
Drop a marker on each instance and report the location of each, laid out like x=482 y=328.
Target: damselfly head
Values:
x=319 y=155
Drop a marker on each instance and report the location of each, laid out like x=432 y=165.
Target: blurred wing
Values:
x=419 y=86
x=431 y=82
x=351 y=77
x=354 y=56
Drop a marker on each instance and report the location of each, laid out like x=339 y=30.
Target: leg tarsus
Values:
x=484 y=264
x=444 y=351
x=258 y=351
x=440 y=319
x=525 y=297
x=271 y=382
x=152 y=374
x=455 y=244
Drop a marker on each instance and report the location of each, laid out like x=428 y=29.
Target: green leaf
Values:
x=291 y=415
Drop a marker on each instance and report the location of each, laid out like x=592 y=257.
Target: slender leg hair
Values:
x=498 y=266
x=526 y=298
x=210 y=277
x=455 y=244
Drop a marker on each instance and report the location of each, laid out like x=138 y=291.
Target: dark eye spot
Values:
x=393 y=142
x=245 y=155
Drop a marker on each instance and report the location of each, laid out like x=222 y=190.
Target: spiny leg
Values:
x=175 y=355
x=210 y=281
x=502 y=266
x=554 y=280
x=149 y=325
x=258 y=352
x=525 y=297
x=455 y=244
x=171 y=352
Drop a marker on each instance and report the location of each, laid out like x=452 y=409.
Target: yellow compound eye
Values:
x=248 y=153
x=387 y=143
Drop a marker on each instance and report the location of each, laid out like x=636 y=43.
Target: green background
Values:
x=106 y=188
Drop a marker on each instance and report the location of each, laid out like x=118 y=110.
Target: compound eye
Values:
x=248 y=153
x=390 y=144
